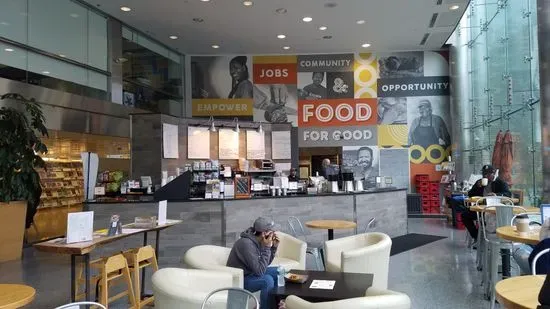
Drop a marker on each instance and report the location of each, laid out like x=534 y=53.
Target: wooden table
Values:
x=83 y=250
x=519 y=292
x=480 y=208
x=331 y=225
x=15 y=295
x=348 y=285
x=474 y=199
x=510 y=233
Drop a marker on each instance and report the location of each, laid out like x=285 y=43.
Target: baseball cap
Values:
x=424 y=103
x=263 y=224
x=487 y=169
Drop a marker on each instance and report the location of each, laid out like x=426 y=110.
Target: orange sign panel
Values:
x=275 y=73
x=336 y=113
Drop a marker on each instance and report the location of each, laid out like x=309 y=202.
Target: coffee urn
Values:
x=348 y=182
x=333 y=183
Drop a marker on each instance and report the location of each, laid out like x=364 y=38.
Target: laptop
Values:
x=544 y=212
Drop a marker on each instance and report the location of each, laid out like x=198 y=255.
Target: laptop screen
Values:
x=544 y=212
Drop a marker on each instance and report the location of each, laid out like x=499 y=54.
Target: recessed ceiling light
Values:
x=216 y=46
x=125 y=9
x=173 y=37
x=280 y=11
x=365 y=45
x=198 y=20
x=8 y=49
x=205 y=0
x=46 y=72
x=323 y=28
x=286 y=47
x=327 y=37
x=454 y=7
x=307 y=19
x=361 y=21
x=281 y=36
x=248 y=3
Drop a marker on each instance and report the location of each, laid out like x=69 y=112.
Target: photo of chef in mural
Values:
x=426 y=124
x=275 y=103
x=221 y=78
x=399 y=65
x=312 y=86
x=392 y=110
x=363 y=162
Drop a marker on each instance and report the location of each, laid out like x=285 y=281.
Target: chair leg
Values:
x=137 y=288
x=131 y=293
x=494 y=272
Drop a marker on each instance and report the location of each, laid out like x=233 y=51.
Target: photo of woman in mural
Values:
x=241 y=85
x=428 y=129
x=315 y=90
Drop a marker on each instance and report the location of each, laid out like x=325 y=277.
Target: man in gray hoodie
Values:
x=253 y=253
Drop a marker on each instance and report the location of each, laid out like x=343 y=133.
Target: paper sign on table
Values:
x=80 y=226
x=162 y=212
x=322 y=284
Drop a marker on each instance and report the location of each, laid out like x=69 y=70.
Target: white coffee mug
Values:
x=484 y=181
x=522 y=225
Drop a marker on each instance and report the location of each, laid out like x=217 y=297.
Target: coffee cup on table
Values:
x=484 y=181
x=522 y=225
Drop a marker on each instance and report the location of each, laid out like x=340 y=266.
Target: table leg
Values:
x=87 y=276
x=157 y=244
x=73 y=279
x=330 y=234
x=505 y=253
x=142 y=292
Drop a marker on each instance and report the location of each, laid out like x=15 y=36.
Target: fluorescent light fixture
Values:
x=454 y=7
x=365 y=45
x=173 y=37
x=125 y=9
x=281 y=36
x=323 y=28
x=248 y=3
x=286 y=47
x=360 y=22
x=307 y=19
x=8 y=49
x=216 y=46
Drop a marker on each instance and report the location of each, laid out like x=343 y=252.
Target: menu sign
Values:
x=255 y=145
x=280 y=144
x=228 y=144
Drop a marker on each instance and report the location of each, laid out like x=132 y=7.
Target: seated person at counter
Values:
x=253 y=253
x=494 y=187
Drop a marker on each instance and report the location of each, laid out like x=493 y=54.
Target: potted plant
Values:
x=21 y=127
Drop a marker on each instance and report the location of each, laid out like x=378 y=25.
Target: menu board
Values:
x=228 y=144
x=280 y=144
x=198 y=143
x=255 y=145
x=170 y=141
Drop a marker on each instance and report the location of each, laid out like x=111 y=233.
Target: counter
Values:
x=220 y=222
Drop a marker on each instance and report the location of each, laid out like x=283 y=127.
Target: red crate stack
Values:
x=429 y=191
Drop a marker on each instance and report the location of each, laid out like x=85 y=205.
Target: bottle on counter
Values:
x=280 y=276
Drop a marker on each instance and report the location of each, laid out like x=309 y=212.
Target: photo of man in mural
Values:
x=428 y=129
x=242 y=87
x=363 y=161
x=315 y=90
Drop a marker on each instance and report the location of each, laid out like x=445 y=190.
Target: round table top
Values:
x=520 y=292
x=510 y=233
x=331 y=224
x=479 y=208
x=15 y=295
x=474 y=199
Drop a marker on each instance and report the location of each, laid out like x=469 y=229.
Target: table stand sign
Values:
x=163 y=205
x=115 y=227
x=80 y=226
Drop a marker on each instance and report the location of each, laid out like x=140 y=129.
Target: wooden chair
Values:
x=110 y=269
x=519 y=195
x=138 y=259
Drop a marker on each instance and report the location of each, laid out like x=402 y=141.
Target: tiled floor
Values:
x=439 y=275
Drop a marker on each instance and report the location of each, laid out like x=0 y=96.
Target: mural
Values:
x=381 y=102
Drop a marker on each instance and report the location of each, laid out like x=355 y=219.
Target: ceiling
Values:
x=390 y=25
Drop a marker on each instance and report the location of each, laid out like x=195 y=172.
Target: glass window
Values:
x=97 y=41
x=13 y=20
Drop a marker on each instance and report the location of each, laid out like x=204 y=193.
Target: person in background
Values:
x=494 y=187
x=325 y=168
x=293 y=175
x=241 y=86
x=315 y=90
x=253 y=253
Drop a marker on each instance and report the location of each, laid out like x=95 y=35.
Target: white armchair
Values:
x=362 y=253
x=374 y=299
x=210 y=257
x=178 y=288
x=291 y=253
